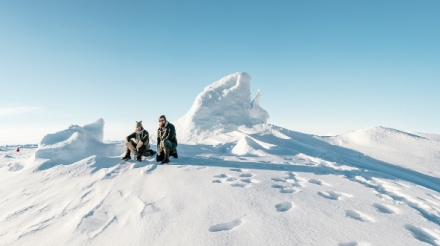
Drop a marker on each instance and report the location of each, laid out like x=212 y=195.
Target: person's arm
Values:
x=133 y=135
x=146 y=137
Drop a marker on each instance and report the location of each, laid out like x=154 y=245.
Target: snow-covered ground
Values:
x=238 y=181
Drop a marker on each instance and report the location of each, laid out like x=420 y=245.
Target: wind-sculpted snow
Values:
x=243 y=182
x=256 y=111
x=217 y=198
x=222 y=107
x=74 y=144
x=393 y=146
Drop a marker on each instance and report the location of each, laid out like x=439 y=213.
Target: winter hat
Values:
x=139 y=124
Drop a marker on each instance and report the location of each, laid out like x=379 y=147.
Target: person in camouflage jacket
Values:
x=166 y=140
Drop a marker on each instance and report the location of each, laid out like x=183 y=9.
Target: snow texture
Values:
x=245 y=182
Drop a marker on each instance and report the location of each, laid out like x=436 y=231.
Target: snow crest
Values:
x=221 y=107
x=73 y=144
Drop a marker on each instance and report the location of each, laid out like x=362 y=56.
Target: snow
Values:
x=74 y=143
x=242 y=181
x=221 y=107
x=393 y=146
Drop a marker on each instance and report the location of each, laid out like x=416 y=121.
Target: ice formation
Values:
x=73 y=144
x=222 y=107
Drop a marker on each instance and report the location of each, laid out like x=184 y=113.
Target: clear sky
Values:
x=323 y=67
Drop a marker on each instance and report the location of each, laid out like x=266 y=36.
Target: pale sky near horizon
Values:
x=323 y=67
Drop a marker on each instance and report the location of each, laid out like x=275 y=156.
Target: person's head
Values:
x=138 y=125
x=162 y=120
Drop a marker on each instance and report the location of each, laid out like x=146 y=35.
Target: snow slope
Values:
x=393 y=146
x=244 y=183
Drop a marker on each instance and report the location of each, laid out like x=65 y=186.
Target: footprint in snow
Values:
x=295 y=180
x=221 y=176
x=250 y=180
x=288 y=190
x=283 y=207
x=424 y=234
x=225 y=226
x=276 y=186
x=231 y=179
x=333 y=195
x=318 y=182
x=217 y=181
x=354 y=243
x=386 y=209
x=246 y=175
x=241 y=185
x=238 y=170
x=291 y=178
x=358 y=216
x=285 y=189
x=279 y=179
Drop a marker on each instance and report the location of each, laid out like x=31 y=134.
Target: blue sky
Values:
x=322 y=66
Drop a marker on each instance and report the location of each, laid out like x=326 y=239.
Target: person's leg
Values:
x=140 y=152
x=129 y=147
x=173 y=151
x=166 y=150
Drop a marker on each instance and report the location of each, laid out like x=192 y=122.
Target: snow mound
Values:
x=221 y=107
x=393 y=146
x=249 y=146
x=73 y=144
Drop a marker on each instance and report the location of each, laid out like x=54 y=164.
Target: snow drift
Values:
x=221 y=107
x=73 y=144
x=393 y=146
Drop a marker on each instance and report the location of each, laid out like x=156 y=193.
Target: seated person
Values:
x=166 y=140
x=138 y=142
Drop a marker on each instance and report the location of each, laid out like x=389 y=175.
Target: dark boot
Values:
x=141 y=151
x=166 y=156
x=126 y=156
x=159 y=156
x=139 y=157
x=174 y=153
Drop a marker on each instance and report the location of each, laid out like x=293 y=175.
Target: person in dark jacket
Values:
x=137 y=142
x=166 y=140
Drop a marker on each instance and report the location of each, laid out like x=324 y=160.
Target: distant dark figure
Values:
x=18 y=150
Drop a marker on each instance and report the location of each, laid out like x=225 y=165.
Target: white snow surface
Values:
x=246 y=183
x=394 y=146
